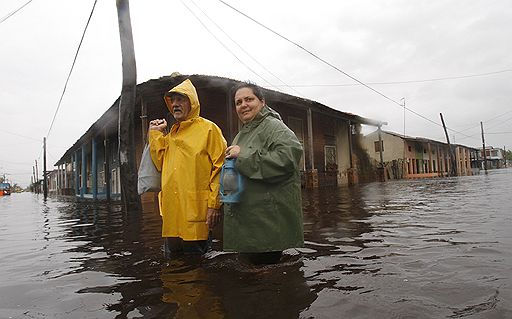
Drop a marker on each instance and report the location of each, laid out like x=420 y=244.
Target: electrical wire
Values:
x=71 y=70
x=225 y=46
x=19 y=135
x=14 y=12
x=487 y=121
x=336 y=68
x=406 y=82
x=245 y=51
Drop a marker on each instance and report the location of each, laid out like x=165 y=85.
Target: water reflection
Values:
x=187 y=288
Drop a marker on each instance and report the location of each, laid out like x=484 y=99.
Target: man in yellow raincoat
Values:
x=190 y=158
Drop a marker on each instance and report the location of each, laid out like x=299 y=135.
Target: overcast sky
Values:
x=452 y=57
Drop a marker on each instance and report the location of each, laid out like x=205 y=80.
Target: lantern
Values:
x=231 y=183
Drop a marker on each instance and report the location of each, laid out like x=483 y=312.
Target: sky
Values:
x=449 y=57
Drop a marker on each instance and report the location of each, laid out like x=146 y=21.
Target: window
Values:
x=379 y=146
x=409 y=148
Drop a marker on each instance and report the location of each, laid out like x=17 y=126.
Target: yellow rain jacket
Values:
x=190 y=158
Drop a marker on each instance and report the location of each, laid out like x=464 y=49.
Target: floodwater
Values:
x=436 y=248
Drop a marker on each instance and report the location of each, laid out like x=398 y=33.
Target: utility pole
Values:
x=34 y=179
x=453 y=161
x=45 y=180
x=37 y=179
x=128 y=169
x=483 y=145
x=505 y=155
x=404 y=165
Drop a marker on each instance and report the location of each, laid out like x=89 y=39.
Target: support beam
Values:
x=106 y=164
x=350 y=143
x=77 y=175
x=83 y=189
x=483 y=146
x=379 y=131
x=94 y=169
x=310 y=140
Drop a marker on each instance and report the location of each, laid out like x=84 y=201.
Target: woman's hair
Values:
x=256 y=90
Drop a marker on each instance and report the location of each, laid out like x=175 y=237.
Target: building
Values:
x=495 y=157
x=90 y=168
x=415 y=157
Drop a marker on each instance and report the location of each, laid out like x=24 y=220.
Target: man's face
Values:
x=180 y=106
x=247 y=104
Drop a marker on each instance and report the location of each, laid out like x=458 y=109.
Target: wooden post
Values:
x=127 y=165
x=38 y=187
x=83 y=187
x=106 y=164
x=94 y=170
x=45 y=178
x=351 y=164
x=34 y=182
x=77 y=175
x=380 y=147
x=144 y=121
x=381 y=171
x=310 y=139
x=483 y=145
x=453 y=169
x=505 y=155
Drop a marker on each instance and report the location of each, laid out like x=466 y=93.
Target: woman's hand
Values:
x=158 y=124
x=232 y=151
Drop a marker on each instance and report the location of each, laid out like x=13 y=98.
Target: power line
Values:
x=221 y=43
x=487 y=121
x=335 y=68
x=245 y=51
x=225 y=46
x=14 y=12
x=71 y=70
x=405 y=82
x=409 y=81
x=14 y=163
x=19 y=135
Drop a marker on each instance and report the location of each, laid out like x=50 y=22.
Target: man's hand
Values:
x=213 y=217
x=158 y=124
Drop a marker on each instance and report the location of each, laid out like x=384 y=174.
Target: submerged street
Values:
x=435 y=248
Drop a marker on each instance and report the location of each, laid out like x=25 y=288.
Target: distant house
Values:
x=416 y=157
x=90 y=168
x=495 y=157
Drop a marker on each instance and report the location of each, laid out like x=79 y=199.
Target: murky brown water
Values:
x=439 y=248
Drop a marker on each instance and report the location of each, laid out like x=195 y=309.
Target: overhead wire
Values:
x=19 y=135
x=71 y=69
x=225 y=46
x=487 y=121
x=245 y=51
x=335 y=67
x=14 y=12
x=408 y=81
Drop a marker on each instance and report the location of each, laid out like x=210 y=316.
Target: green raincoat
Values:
x=269 y=214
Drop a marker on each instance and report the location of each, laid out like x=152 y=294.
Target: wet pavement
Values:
x=436 y=248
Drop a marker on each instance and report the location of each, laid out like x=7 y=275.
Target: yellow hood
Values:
x=185 y=88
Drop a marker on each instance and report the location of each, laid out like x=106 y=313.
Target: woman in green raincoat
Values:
x=268 y=218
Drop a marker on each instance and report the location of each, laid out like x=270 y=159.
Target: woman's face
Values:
x=247 y=104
